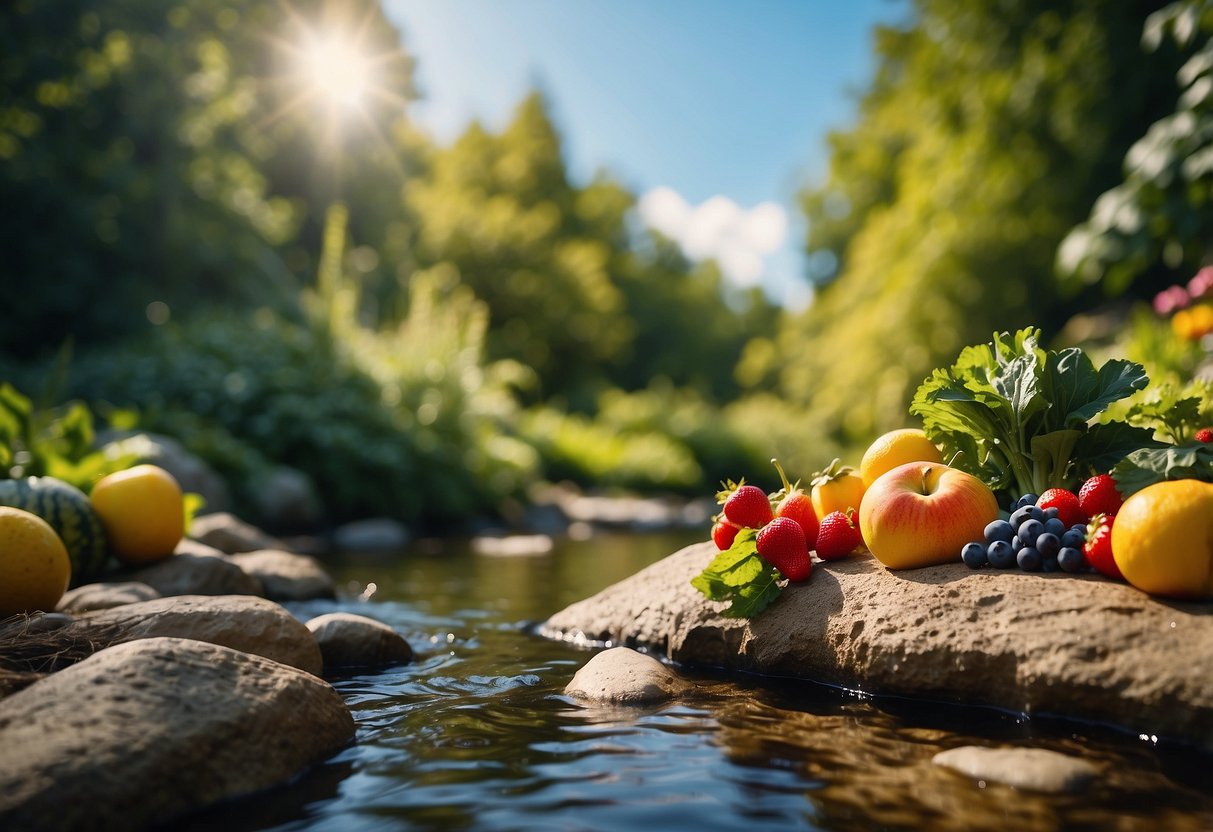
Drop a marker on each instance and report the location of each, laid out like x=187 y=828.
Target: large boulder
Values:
x=143 y=732
x=103 y=596
x=229 y=534
x=241 y=622
x=1082 y=647
x=186 y=573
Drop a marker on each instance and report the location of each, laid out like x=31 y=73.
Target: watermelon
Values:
x=70 y=513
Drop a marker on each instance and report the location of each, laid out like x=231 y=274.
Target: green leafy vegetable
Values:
x=740 y=575
x=1174 y=415
x=1021 y=417
x=1150 y=465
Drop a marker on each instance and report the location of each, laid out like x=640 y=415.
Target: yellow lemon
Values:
x=142 y=511
x=1162 y=539
x=34 y=566
x=897 y=447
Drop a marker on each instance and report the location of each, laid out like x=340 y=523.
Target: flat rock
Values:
x=347 y=640
x=229 y=534
x=622 y=676
x=1078 y=646
x=241 y=622
x=375 y=534
x=143 y=732
x=286 y=576
x=197 y=574
x=1031 y=769
x=103 y=596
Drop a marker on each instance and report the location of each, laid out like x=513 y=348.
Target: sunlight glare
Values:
x=336 y=70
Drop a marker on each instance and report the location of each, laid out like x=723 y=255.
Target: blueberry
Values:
x=1048 y=545
x=1081 y=528
x=1052 y=512
x=1073 y=539
x=1018 y=517
x=1029 y=531
x=1028 y=500
x=1055 y=526
x=1000 y=554
x=1037 y=513
x=999 y=530
x=1071 y=559
x=1029 y=559
x=974 y=555
x=1049 y=565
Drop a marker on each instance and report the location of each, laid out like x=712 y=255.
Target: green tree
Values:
x=988 y=131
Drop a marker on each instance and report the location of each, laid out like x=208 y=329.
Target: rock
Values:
x=286 y=576
x=378 y=534
x=144 y=732
x=638 y=513
x=1032 y=769
x=201 y=574
x=192 y=473
x=241 y=622
x=1078 y=646
x=286 y=498
x=229 y=534
x=347 y=640
x=103 y=596
x=621 y=676
x=512 y=545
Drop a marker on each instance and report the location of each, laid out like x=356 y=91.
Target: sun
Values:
x=338 y=72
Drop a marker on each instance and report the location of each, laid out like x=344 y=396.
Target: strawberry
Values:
x=1098 y=547
x=1098 y=495
x=838 y=536
x=1066 y=502
x=723 y=533
x=781 y=543
x=793 y=502
x=1204 y=435
x=746 y=505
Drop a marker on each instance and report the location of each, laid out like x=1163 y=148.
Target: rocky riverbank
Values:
x=173 y=687
x=1080 y=647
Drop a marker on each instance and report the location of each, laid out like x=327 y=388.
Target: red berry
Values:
x=1066 y=502
x=1204 y=435
x=838 y=536
x=781 y=543
x=723 y=533
x=748 y=507
x=1098 y=495
x=1098 y=548
x=799 y=507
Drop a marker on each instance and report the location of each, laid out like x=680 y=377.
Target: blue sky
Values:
x=718 y=110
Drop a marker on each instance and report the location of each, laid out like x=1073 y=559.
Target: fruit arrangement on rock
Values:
x=68 y=511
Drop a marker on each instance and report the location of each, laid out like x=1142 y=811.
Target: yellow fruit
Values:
x=837 y=488
x=897 y=447
x=1162 y=539
x=34 y=566
x=142 y=511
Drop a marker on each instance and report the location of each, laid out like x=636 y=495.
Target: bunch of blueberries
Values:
x=1033 y=538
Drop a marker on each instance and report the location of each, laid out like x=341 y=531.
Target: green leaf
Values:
x=191 y=504
x=1148 y=466
x=1104 y=445
x=756 y=596
x=741 y=577
x=1051 y=459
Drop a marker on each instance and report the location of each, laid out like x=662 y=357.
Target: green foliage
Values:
x=50 y=442
x=1163 y=210
x=1151 y=465
x=987 y=133
x=740 y=576
x=1021 y=418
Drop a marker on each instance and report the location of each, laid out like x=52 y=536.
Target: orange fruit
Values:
x=897 y=447
x=142 y=511
x=34 y=566
x=837 y=488
x=1162 y=539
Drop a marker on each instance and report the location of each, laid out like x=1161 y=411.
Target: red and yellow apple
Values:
x=923 y=513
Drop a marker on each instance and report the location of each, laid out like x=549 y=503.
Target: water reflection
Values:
x=476 y=733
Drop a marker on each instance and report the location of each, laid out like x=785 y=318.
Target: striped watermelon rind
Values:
x=70 y=513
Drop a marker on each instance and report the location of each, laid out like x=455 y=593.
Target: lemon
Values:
x=1162 y=539
x=142 y=511
x=897 y=447
x=34 y=566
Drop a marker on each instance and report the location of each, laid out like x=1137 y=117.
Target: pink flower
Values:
x=1171 y=299
x=1200 y=285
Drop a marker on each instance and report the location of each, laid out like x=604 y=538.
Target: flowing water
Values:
x=476 y=733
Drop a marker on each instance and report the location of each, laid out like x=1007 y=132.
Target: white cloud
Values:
x=739 y=239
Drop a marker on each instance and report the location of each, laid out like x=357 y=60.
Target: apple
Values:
x=922 y=513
